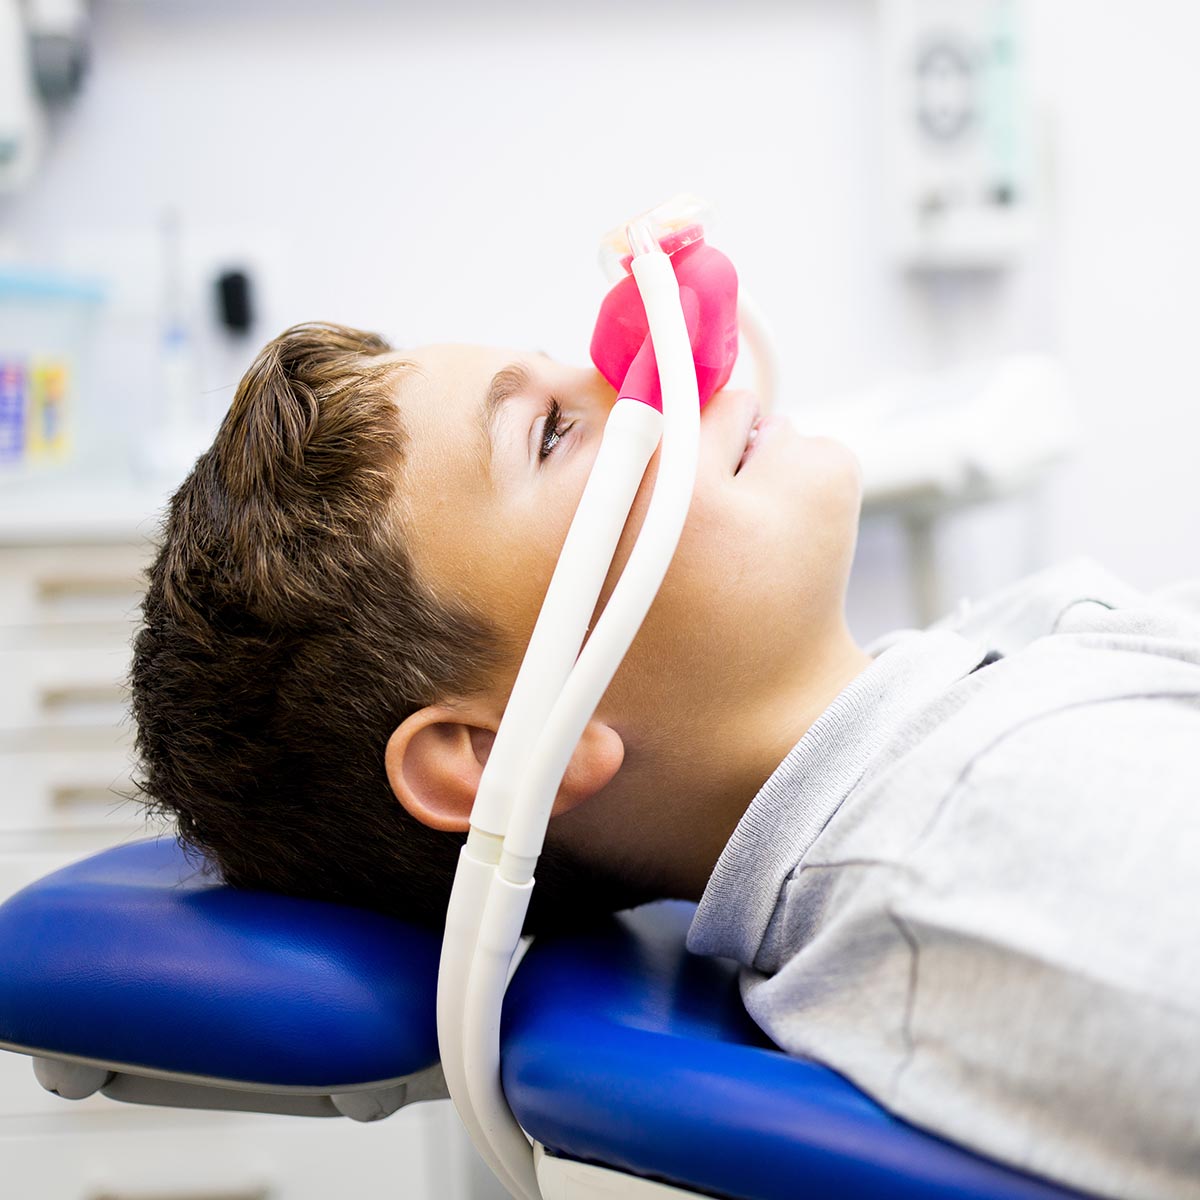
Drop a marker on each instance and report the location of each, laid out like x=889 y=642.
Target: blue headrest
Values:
x=618 y=1046
x=133 y=956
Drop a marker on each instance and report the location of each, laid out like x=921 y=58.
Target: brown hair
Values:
x=285 y=635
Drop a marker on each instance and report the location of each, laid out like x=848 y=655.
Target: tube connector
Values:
x=640 y=234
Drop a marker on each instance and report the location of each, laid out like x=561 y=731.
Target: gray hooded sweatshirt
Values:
x=974 y=890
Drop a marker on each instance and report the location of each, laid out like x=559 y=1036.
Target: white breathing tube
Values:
x=556 y=691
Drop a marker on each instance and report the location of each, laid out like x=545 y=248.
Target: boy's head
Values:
x=348 y=580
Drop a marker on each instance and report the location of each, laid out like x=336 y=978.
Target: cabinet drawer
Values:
x=151 y=1154
x=65 y=585
x=64 y=687
x=69 y=789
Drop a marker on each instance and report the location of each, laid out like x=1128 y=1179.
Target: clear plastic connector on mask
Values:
x=674 y=224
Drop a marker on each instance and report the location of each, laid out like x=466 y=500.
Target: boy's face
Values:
x=757 y=581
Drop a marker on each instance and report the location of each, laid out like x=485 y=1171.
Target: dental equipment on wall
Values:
x=961 y=202
x=934 y=443
x=177 y=431
x=206 y=314
x=930 y=442
x=21 y=118
x=667 y=338
x=958 y=142
x=43 y=57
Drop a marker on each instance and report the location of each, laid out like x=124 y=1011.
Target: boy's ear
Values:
x=435 y=758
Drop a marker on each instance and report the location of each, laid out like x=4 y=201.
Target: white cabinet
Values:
x=67 y=615
x=159 y=1155
x=69 y=596
x=57 y=588
x=55 y=686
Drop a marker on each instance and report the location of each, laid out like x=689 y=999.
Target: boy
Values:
x=960 y=870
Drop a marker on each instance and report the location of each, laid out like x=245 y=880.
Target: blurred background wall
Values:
x=443 y=173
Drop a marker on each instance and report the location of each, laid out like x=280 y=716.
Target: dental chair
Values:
x=630 y=1063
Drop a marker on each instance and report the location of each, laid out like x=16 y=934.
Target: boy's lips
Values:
x=750 y=437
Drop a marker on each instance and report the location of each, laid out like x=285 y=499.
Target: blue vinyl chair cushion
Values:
x=133 y=956
x=620 y=1047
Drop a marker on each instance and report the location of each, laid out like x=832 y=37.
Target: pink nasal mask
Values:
x=621 y=347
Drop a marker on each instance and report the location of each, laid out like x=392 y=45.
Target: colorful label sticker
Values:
x=12 y=412
x=48 y=427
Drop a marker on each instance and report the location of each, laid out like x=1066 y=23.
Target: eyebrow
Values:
x=508 y=382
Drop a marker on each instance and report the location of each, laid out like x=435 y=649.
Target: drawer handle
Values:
x=53 y=588
x=54 y=699
x=84 y=795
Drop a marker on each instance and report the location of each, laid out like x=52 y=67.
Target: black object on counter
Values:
x=235 y=302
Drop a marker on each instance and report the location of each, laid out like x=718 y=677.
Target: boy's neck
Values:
x=673 y=806
x=756 y=745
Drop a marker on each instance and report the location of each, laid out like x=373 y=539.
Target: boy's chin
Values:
x=824 y=479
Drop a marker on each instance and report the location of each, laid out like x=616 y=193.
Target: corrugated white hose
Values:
x=512 y=884
x=467 y=898
x=631 y=434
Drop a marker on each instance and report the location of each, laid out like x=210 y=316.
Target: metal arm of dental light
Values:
x=553 y=699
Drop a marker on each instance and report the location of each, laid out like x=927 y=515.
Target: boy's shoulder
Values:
x=1094 y=655
x=1059 y=707
x=1035 y=606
